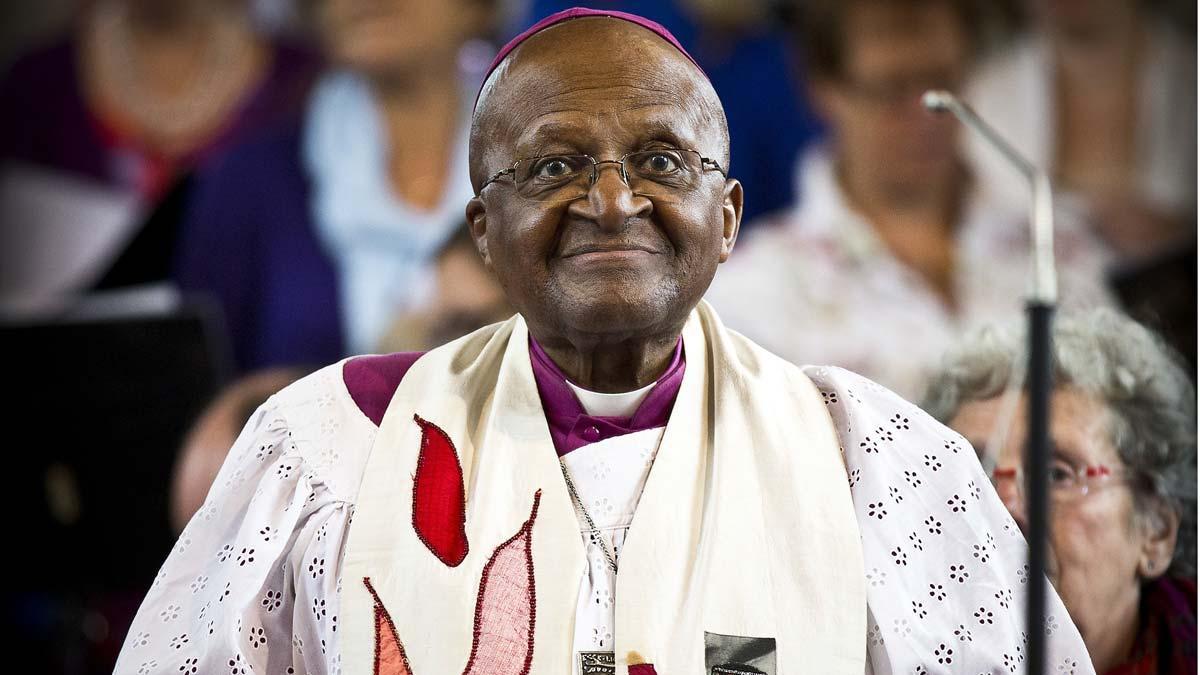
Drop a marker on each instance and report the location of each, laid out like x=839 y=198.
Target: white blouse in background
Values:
x=817 y=285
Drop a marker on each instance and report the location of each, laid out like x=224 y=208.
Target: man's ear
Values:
x=477 y=222
x=731 y=216
x=1160 y=529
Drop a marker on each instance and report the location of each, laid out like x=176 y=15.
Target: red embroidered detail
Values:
x=439 y=500
x=506 y=608
x=643 y=669
x=390 y=658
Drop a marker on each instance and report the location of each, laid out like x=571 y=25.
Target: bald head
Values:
x=599 y=66
x=625 y=261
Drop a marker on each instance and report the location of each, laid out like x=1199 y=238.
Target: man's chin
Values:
x=616 y=313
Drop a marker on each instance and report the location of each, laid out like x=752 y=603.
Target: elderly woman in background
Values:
x=1122 y=476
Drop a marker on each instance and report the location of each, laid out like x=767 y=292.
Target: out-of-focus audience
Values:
x=140 y=91
x=1103 y=95
x=314 y=236
x=102 y=127
x=1122 y=551
x=466 y=296
x=893 y=249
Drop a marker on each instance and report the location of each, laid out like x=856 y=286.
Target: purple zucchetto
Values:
x=580 y=13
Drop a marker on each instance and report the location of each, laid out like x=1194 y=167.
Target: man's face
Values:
x=892 y=54
x=611 y=264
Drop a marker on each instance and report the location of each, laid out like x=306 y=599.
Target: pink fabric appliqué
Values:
x=390 y=658
x=505 y=609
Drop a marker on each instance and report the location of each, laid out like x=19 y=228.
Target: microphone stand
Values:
x=1039 y=305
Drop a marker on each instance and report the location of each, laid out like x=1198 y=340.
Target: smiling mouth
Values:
x=608 y=252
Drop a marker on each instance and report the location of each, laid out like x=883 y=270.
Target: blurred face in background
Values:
x=892 y=52
x=381 y=36
x=1100 y=548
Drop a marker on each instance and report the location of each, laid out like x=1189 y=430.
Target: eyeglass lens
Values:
x=663 y=174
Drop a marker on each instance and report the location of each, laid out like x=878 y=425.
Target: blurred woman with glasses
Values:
x=1122 y=478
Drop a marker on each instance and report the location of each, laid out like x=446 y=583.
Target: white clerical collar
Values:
x=610 y=405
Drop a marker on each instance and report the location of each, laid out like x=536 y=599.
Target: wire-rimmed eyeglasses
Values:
x=1067 y=483
x=656 y=173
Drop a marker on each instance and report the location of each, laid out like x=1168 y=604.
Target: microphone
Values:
x=1040 y=307
x=1045 y=283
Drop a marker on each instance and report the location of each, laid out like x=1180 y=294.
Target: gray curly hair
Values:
x=1143 y=383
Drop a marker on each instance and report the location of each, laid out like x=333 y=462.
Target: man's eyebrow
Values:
x=663 y=129
x=548 y=132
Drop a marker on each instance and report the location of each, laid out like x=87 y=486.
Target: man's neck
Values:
x=611 y=367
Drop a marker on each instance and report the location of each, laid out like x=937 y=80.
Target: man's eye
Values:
x=659 y=163
x=553 y=167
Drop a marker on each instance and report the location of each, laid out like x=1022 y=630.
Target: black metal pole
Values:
x=1040 y=306
x=1037 y=470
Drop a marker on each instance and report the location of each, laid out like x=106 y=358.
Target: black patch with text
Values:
x=597 y=663
x=737 y=655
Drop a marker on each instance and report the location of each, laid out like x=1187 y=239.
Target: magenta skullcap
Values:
x=580 y=13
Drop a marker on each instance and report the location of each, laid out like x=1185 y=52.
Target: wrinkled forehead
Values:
x=592 y=82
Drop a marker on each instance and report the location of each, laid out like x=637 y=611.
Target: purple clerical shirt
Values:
x=372 y=380
x=570 y=425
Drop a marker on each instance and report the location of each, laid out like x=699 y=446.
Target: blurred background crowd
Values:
x=202 y=200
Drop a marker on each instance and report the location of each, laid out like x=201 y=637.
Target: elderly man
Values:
x=610 y=481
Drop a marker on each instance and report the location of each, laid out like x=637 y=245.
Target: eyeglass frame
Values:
x=1084 y=479
x=706 y=164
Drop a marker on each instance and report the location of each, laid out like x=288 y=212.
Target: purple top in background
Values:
x=372 y=381
x=276 y=284
x=581 y=13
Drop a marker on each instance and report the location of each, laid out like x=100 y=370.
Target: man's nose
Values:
x=611 y=202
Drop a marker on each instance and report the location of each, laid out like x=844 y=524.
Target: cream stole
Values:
x=745 y=527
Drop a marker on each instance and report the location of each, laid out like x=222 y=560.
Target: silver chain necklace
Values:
x=595 y=531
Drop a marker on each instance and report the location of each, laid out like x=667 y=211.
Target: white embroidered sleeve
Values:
x=250 y=586
x=945 y=563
